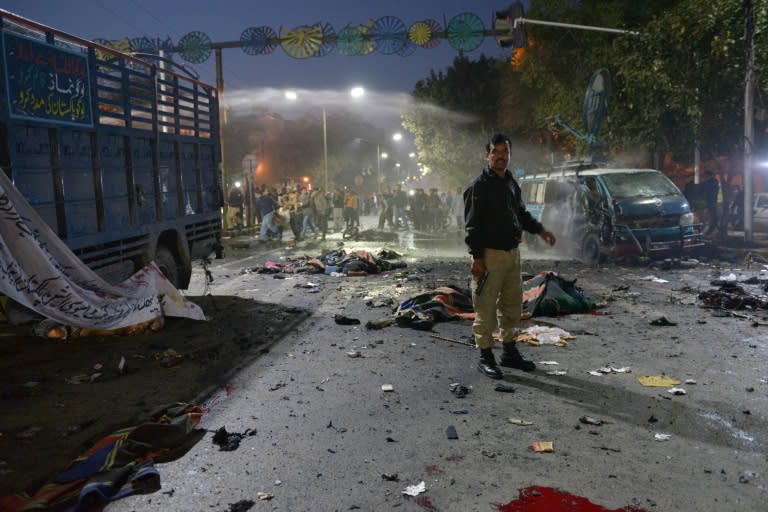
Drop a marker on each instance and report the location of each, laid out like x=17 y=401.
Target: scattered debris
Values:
x=520 y=422
x=543 y=446
x=662 y=321
x=588 y=420
x=557 y=372
x=29 y=433
x=264 y=496
x=230 y=441
x=654 y=279
x=387 y=388
x=345 y=320
x=545 y=335
x=662 y=437
x=354 y=353
x=451 y=433
x=609 y=369
x=657 y=381
x=459 y=342
x=460 y=390
x=415 y=490
x=390 y=477
x=504 y=388
x=677 y=391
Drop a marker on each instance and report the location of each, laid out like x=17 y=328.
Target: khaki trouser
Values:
x=501 y=300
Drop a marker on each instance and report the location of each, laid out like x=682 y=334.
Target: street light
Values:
x=355 y=92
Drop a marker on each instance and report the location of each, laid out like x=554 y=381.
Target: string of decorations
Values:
x=387 y=35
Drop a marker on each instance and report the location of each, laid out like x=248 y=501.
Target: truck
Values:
x=119 y=156
x=603 y=213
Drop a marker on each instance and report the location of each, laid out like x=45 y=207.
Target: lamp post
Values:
x=355 y=92
x=325 y=151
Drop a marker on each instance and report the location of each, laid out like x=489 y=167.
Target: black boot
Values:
x=487 y=364
x=511 y=358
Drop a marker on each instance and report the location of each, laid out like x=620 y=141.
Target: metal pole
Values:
x=519 y=21
x=222 y=121
x=325 y=150
x=749 y=126
x=378 y=169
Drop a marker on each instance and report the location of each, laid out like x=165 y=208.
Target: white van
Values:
x=612 y=213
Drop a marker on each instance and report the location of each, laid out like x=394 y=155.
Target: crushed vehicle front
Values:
x=652 y=217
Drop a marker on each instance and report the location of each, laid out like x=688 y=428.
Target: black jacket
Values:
x=495 y=214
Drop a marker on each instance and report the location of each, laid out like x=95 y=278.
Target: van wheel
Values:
x=167 y=265
x=590 y=250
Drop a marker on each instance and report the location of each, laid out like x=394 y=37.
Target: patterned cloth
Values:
x=118 y=465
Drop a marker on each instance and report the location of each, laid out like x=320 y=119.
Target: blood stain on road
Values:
x=547 y=499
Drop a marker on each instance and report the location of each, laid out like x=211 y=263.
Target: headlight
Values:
x=686 y=219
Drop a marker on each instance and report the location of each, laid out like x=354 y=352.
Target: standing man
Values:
x=495 y=218
x=321 y=208
x=710 y=190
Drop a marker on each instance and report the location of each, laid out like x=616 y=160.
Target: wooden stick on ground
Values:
x=465 y=343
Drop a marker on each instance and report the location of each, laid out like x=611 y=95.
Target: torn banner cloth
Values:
x=40 y=272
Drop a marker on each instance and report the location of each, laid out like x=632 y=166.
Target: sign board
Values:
x=249 y=164
x=46 y=82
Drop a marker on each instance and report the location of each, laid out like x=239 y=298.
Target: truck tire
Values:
x=590 y=250
x=167 y=265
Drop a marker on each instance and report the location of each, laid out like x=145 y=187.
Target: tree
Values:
x=452 y=115
x=677 y=84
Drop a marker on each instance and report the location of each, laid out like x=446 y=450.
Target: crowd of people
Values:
x=312 y=211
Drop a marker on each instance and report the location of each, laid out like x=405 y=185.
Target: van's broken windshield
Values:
x=639 y=184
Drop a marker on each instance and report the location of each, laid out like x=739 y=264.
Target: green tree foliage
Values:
x=679 y=80
x=560 y=61
x=453 y=113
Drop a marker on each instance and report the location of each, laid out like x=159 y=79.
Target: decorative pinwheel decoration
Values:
x=195 y=47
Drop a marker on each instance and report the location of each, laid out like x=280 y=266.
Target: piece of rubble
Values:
x=657 y=381
x=415 y=490
x=543 y=446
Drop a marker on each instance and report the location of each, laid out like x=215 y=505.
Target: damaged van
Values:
x=603 y=213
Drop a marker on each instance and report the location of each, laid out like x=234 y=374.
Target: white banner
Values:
x=39 y=271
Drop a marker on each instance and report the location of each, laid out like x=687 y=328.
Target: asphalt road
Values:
x=326 y=433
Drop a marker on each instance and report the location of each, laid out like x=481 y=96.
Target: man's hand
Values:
x=478 y=267
x=547 y=236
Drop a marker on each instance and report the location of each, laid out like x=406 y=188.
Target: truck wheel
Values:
x=590 y=250
x=167 y=264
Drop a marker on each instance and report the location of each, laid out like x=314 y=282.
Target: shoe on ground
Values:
x=490 y=370
x=511 y=358
x=487 y=365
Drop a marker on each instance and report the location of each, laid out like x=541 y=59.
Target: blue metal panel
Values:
x=79 y=187
x=143 y=179
x=114 y=183
x=209 y=173
x=169 y=174
x=31 y=166
x=189 y=172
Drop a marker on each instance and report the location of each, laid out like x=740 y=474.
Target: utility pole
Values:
x=749 y=121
